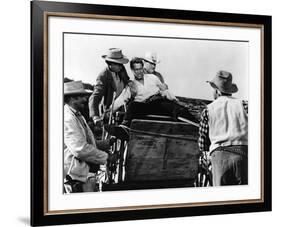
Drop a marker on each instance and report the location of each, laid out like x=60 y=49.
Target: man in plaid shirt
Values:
x=223 y=133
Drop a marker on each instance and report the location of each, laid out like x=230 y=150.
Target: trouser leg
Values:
x=135 y=110
x=172 y=109
x=229 y=168
x=240 y=165
x=163 y=107
x=184 y=112
x=166 y=107
x=217 y=167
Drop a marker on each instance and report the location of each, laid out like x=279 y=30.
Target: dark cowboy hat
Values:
x=223 y=82
x=75 y=88
x=115 y=55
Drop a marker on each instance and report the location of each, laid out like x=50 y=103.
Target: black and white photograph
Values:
x=143 y=113
x=146 y=112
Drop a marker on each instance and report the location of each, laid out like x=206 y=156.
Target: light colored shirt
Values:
x=79 y=146
x=223 y=123
x=151 y=85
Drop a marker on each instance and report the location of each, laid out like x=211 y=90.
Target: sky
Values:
x=186 y=64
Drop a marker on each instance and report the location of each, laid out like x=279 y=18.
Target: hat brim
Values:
x=157 y=62
x=122 y=61
x=231 y=90
x=86 y=92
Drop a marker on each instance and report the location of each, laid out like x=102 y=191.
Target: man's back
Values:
x=228 y=122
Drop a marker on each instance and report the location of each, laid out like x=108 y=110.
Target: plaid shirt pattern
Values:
x=204 y=140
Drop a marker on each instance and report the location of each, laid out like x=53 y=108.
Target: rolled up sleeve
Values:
x=122 y=99
x=96 y=97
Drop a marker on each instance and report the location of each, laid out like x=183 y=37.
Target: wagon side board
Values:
x=162 y=152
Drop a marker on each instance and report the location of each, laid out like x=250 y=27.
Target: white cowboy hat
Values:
x=115 y=55
x=223 y=82
x=75 y=88
x=151 y=57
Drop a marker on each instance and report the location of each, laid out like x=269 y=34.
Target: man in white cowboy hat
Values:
x=150 y=61
x=113 y=78
x=80 y=150
x=223 y=133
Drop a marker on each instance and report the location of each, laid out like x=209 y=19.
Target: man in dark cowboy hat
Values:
x=223 y=133
x=113 y=78
x=80 y=148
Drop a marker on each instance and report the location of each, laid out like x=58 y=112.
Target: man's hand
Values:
x=112 y=140
x=168 y=95
x=98 y=121
x=107 y=113
x=112 y=158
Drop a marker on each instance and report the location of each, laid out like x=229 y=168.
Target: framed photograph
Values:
x=141 y=113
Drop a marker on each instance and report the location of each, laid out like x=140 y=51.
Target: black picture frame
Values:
x=39 y=119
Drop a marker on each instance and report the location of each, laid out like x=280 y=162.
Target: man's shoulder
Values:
x=68 y=114
x=104 y=73
x=222 y=100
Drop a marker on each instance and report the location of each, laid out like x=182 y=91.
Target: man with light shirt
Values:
x=223 y=133
x=150 y=61
x=149 y=96
x=82 y=153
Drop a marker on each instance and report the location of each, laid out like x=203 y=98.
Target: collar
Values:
x=76 y=112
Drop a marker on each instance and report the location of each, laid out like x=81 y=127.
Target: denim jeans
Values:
x=230 y=165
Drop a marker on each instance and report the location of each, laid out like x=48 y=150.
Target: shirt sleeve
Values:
x=96 y=96
x=204 y=140
x=160 y=85
x=122 y=99
x=78 y=145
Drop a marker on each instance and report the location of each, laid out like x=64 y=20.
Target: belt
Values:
x=237 y=149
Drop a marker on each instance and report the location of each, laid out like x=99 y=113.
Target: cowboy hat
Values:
x=151 y=57
x=115 y=55
x=75 y=88
x=223 y=82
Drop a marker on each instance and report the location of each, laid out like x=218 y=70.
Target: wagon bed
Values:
x=159 y=154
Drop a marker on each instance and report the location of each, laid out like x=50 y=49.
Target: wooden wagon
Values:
x=159 y=154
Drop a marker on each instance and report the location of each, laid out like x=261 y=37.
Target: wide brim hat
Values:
x=223 y=82
x=115 y=55
x=75 y=88
x=151 y=57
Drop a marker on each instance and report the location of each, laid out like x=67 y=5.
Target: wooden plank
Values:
x=171 y=156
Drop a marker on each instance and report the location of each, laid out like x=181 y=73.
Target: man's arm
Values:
x=96 y=97
x=161 y=78
x=204 y=140
x=76 y=142
x=105 y=145
x=122 y=98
